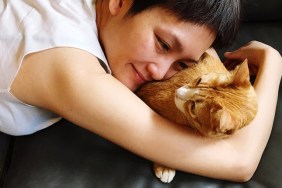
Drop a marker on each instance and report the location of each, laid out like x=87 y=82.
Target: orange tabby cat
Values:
x=206 y=96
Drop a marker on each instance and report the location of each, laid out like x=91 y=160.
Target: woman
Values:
x=53 y=66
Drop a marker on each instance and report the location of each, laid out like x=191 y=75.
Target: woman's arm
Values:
x=74 y=85
x=266 y=63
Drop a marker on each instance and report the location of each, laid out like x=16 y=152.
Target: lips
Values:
x=139 y=77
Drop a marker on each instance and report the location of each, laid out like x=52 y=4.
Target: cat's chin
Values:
x=179 y=103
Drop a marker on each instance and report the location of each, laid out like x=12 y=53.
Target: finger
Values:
x=233 y=55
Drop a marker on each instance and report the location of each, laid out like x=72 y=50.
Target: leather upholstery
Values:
x=5 y=150
x=65 y=155
x=262 y=10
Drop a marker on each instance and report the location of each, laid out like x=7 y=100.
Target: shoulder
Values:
x=46 y=74
x=64 y=58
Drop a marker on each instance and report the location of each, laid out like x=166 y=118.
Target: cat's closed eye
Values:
x=192 y=108
x=198 y=81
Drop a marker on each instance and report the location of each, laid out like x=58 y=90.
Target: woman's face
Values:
x=152 y=45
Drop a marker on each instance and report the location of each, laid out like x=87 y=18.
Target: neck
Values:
x=102 y=15
x=99 y=11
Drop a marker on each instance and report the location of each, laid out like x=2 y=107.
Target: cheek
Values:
x=142 y=48
x=171 y=71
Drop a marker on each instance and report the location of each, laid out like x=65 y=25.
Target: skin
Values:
x=159 y=45
x=53 y=79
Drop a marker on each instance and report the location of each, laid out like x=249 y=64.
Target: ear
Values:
x=242 y=75
x=206 y=57
x=115 y=6
x=226 y=121
x=223 y=122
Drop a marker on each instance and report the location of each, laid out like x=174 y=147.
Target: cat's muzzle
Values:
x=186 y=93
x=182 y=95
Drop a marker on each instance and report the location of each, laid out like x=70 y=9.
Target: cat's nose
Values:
x=185 y=93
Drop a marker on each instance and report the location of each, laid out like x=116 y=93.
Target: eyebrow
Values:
x=178 y=47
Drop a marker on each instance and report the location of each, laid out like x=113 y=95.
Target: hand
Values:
x=257 y=54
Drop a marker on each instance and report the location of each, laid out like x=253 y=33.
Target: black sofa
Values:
x=65 y=155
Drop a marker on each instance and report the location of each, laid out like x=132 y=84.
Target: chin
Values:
x=128 y=82
x=130 y=85
x=133 y=88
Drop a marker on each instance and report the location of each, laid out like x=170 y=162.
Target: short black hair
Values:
x=222 y=16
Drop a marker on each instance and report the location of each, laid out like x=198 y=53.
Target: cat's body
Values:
x=206 y=96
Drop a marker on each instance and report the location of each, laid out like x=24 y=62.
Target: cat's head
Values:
x=218 y=104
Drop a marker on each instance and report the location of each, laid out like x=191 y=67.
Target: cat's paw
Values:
x=165 y=174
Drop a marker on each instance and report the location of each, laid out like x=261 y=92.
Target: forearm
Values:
x=267 y=87
x=251 y=140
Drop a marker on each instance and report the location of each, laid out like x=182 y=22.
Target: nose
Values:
x=160 y=70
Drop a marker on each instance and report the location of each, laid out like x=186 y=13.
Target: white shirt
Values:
x=28 y=26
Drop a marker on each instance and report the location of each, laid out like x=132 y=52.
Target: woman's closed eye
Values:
x=180 y=65
x=164 y=46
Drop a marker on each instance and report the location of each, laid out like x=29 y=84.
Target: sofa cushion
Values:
x=262 y=10
x=267 y=32
x=5 y=151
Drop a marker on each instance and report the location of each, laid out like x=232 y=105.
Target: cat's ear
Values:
x=226 y=122
x=241 y=75
x=222 y=121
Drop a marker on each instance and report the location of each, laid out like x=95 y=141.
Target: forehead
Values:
x=189 y=36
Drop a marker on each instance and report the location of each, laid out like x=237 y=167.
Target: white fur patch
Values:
x=165 y=174
x=184 y=94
